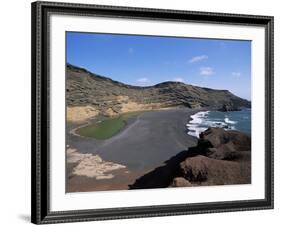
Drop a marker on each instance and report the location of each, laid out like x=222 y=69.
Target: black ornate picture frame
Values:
x=41 y=12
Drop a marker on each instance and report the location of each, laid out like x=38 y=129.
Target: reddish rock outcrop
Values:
x=225 y=145
x=201 y=170
x=221 y=157
x=180 y=182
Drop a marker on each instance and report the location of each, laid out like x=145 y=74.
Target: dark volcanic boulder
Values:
x=207 y=171
x=221 y=144
x=218 y=136
x=180 y=182
x=220 y=157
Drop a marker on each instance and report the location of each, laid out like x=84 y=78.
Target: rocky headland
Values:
x=220 y=158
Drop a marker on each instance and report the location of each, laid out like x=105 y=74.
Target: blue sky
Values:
x=148 y=60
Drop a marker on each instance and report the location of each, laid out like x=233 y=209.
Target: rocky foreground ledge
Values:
x=220 y=158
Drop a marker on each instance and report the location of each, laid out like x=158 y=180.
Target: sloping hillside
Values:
x=88 y=95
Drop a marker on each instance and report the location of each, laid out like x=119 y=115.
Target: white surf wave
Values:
x=196 y=125
x=200 y=122
x=227 y=120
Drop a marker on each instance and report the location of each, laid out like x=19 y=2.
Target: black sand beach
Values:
x=145 y=143
x=148 y=139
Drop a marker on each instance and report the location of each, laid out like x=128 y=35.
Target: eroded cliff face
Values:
x=92 y=95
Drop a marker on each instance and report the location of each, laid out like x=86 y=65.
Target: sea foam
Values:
x=196 y=125
x=227 y=120
x=200 y=122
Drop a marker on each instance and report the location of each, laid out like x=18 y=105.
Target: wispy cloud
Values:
x=236 y=74
x=198 y=58
x=131 y=50
x=178 y=79
x=206 y=71
x=143 y=81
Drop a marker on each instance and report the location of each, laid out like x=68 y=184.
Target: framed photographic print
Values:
x=141 y=112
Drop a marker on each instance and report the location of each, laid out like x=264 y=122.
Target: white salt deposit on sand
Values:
x=91 y=165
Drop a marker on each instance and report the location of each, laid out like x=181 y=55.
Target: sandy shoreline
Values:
x=148 y=140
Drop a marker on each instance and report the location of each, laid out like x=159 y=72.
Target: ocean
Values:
x=232 y=120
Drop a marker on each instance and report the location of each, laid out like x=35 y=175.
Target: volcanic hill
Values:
x=89 y=95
